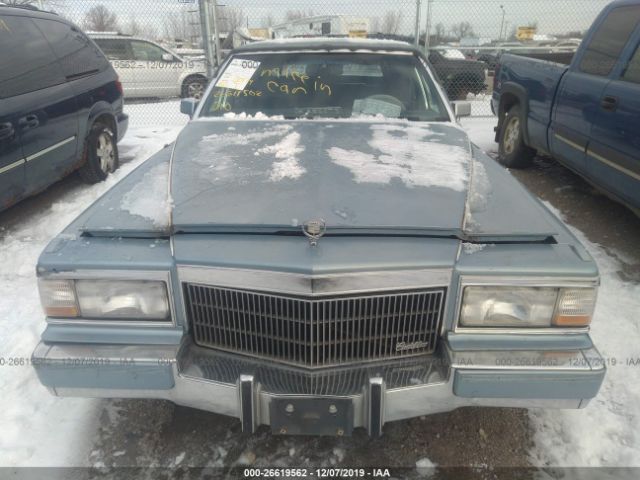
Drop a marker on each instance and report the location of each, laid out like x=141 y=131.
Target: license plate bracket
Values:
x=311 y=416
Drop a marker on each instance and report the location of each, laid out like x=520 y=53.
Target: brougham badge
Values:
x=314 y=231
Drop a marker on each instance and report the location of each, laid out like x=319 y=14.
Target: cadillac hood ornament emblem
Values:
x=314 y=230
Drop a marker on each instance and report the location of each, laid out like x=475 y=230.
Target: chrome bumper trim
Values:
x=392 y=391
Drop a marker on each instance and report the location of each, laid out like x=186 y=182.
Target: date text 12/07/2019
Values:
x=345 y=473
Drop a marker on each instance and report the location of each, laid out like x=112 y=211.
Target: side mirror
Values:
x=188 y=106
x=167 y=57
x=462 y=109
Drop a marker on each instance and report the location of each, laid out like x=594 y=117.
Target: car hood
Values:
x=359 y=177
x=356 y=176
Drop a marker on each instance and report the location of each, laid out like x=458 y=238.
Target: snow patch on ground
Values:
x=39 y=429
x=426 y=468
x=150 y=197
x=480 y=131
x=607 y=431
x=404 y=155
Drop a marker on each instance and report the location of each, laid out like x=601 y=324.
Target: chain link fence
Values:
x=160 y=53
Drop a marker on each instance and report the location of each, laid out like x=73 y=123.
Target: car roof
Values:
x=326 y=43
x=119 y=36
x=29 y=11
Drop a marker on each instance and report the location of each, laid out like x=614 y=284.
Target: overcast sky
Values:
x=552 y=16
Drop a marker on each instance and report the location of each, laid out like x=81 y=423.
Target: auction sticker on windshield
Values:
x=237 y=74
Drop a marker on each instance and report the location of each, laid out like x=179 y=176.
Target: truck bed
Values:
x=540 y=79
x=563 y=58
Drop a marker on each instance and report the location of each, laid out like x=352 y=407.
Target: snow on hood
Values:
x=365 y=176
x=351 y=174
x=400 y=153
x=149 y=198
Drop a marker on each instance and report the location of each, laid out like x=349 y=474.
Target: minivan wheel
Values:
x=194 y=87
x=100 y=154
x=513 y=153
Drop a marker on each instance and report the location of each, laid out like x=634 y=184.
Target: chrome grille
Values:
x=315 y=332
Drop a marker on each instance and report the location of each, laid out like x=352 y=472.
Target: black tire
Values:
x=457 y=91
x=194 y=87
x=512 y=152
x=100 y=154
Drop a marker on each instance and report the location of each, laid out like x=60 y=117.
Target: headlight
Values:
x=105 y=299
x=527 y=307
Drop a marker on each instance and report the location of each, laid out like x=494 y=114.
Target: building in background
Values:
x=325 y=26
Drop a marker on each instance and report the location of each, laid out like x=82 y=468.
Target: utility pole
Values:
x=427 y=34
x=216 y=33
x=418 y=13
x=205 y=26
x=501 y=23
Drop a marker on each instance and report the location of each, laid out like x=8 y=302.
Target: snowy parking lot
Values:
x=38 y=429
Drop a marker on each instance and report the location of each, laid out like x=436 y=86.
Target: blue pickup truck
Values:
x=585 y=113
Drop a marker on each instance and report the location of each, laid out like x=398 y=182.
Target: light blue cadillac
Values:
x=322 y=249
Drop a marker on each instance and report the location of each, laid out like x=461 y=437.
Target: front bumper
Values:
x=254 y=391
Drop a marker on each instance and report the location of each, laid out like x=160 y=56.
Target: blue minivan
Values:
x=61 y=105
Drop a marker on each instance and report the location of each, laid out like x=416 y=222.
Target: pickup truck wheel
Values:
x=194 y=87
x=513 y=153
x=100 y=154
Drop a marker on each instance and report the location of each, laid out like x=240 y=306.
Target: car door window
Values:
x=115 y=49
x=27 y=62
x=77 y=54
x=632 y=72
x=147 y=52
x=602 y=53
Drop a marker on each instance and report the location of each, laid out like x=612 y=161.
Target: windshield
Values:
x=322 y=85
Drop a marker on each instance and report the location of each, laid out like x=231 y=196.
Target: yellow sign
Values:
x=526 y=33
x=358 y=34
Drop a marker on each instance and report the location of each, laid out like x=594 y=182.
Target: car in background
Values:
x=458 y=76
x=583 y=109
x=148 y=69
x=453 y=54
x=570 y=45
x=61 y=104
x=491 y=57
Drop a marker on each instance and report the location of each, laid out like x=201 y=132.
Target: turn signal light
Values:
x=575 y=307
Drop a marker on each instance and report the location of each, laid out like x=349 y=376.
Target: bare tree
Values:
x=181 y=27
x=374 y=25
x=100 y=19
x=440 y=32
x=297 y=14
x=140 y=29
x=462 y=30
x=268 y=21
x=391 y=22
x=230 y=18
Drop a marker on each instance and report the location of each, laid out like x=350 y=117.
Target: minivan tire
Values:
x=100 y=154
x=512 y=152
x=194 y=87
